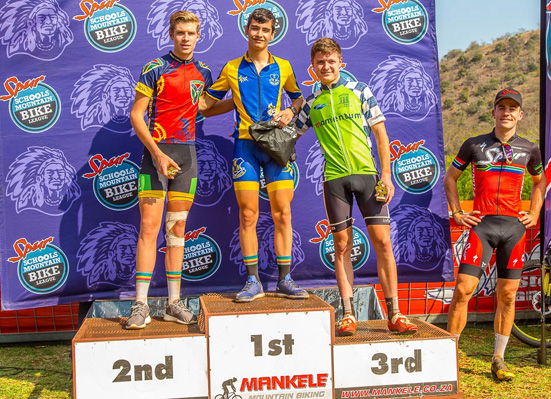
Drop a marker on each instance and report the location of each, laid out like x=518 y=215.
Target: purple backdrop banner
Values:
x=547 y=88
x=70 y=160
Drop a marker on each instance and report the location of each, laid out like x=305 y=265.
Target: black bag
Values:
x=278 y=143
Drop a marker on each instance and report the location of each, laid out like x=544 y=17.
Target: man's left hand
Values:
x=387 y=180
x=528 y=219
x=284 y=116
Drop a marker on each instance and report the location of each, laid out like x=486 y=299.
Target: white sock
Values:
x=142 y=290
x=500 y=343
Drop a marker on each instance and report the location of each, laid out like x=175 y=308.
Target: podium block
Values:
x=272 y=346
x=377 y=363
x=164 y=360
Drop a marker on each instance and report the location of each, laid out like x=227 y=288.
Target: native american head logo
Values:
x=402 y=87
x=38 y=28
x=418 y=238
x=267 y=264
x=213 y=174
x=159 y=16
x=315 y=166
x=107 y=254
x=102 y=98
x=42 y=179
x=341 y=20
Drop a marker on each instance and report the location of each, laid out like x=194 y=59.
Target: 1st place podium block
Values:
x=272 y=346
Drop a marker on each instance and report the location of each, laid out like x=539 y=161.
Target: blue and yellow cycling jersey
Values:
x=257 y=97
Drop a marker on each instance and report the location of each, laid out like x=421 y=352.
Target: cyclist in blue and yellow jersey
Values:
x=257 y=80
x=343 y=115
x=169 y=88
x=499 y=160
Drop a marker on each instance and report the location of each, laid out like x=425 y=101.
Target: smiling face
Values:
x=185 y=36
x=327 y=66
x=507 y=113
x=259 y=35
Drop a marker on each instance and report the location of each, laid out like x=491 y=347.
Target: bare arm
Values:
x=136 y=118
x=450 y=186
x=538 y=189
x=381 y=138
x=208 y=106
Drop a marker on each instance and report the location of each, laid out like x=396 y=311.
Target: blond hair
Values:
x=183 y=16
x=325 y=45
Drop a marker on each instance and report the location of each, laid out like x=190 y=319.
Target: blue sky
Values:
x=460 y=22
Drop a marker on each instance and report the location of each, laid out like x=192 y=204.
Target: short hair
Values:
x=183 y=16
x=325 y=45
x=262 y=15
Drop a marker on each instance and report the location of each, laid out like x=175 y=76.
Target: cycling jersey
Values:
x=257 y=97
x=342 y=116
x=497 y=182
x=174 y=86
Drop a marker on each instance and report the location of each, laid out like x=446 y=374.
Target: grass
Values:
x=32 y=372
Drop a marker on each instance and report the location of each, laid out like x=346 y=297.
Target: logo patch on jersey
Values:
x=344 y=101
x=243 y=78
x=237 y=169
x=320 y=106
x=272 y=110
x=202 y=64
x=152 y=65
x=196 y=88
x=274 y=79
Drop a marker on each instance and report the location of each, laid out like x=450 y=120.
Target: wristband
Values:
x=293 y=110
x=458 y=211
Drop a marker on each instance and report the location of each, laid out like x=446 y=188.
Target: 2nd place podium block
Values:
x=272 y=348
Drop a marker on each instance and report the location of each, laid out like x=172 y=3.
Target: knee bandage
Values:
x=172 y=240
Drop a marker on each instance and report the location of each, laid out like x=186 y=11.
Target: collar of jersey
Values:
x=181 y=60
x=334 y=85
x=499 y=141
x=270 y=58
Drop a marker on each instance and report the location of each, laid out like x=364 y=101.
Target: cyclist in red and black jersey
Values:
x=499 y=160
x=169 y=88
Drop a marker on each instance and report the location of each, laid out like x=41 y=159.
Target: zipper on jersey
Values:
x=498 y=185
x=259 y=91
x=338 y=131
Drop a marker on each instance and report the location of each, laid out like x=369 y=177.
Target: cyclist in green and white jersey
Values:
x=343 y=114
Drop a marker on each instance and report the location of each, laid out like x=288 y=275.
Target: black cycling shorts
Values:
x=153 y=184
x=505 y=234
x=338 y=196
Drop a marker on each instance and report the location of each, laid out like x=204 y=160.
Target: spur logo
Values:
x=115 y=181
x=33 y=105
x=415 y=167
x=108 y=25
x=404 y=21
x=360 y=246
x=41 y=266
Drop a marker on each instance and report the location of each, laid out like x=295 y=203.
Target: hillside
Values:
x=470 y=79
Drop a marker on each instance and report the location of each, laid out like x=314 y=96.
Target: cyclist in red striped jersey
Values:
x=499 y=160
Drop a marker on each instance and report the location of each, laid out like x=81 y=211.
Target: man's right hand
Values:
x=163 y=161
x=467 y=219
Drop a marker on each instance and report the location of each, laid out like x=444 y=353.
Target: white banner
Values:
x=266 y=354
x=142 y=368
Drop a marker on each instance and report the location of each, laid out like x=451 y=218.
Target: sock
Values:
x=348 y=306
x=284 y=266
x=142 y=286
x=392 y=307
x=251 y=263
x=173 y=281
x=500 y=343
